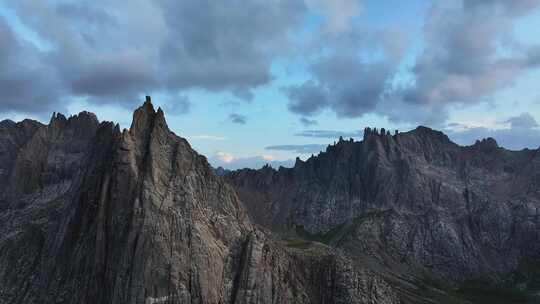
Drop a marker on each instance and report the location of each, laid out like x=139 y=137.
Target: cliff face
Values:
x=92 y=214
x=413 y=201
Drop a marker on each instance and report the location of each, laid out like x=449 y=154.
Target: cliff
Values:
x=417 y=206
x=93 y=214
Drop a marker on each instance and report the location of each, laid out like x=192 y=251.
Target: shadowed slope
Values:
x=414 y=203
x=92 y=214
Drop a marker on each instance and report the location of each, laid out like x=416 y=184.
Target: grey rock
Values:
x=413 y=204
x=93 y=214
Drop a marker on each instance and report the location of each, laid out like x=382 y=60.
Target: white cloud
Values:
x=523 y=132
x=224 y=157
x=231 y=162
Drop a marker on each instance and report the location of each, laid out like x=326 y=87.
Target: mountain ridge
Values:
x=414 y=200
x=93 y=214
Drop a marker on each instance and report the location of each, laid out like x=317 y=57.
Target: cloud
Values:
x=522 y=133
x=338 y=13
x=514 y=8
x=229 y=161
x=301 y=149
x=27 y=85
x=342 y=80
x=469 y=53
x=525 y=120
x=237 y=118
x=114 y=52
x=307 y=99
x=330 y=134
x=308 y=122
x=224 y=157
x=225 y=45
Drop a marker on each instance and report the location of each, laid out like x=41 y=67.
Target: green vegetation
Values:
x=297 y=243
x=325 y=238
x=478 y=292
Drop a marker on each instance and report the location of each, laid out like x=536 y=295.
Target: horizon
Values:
x=251 y=83
x=258 y=164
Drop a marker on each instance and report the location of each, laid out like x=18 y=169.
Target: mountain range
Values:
x=90 y=213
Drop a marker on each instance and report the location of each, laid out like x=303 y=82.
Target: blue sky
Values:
x=238 y=78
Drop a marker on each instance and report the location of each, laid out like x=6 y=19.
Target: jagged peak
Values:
x=84 y=115
x=142 y=116
x=146 y=117
x=57 y=118
x=160 y=114
x=369 y=132
x=148 y=103
x=7 y=123
x=84 y=122
x=160 y=118
x=487 y=143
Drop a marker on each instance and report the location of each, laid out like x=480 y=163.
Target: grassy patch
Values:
x=479 y=292
x=325 y=238
x=297 y=243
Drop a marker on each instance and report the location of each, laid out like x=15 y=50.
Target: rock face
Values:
x=414 y=204
x=92 y=214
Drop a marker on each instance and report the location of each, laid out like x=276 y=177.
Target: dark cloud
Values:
x=308 y=122
x=237 y=118
x=225 y=45
x=307 y=99
x=117 y=51
x=461 y=62
x=27 y=85
x=469 y=53
x=344 y=81
x=523 y=133
x=329 y=134
x=302 y=149
x=114 y=52
x=525 y=120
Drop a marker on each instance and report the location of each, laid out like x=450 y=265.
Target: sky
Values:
x=264 y=81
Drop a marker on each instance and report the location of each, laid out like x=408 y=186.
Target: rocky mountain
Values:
x=90 y=213
x=442 y=223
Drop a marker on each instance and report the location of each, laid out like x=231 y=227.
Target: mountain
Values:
x=90 y=213
x=438 y=221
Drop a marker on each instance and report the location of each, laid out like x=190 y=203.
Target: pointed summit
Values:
x=487 y=144
x=143 y=117
x=146 y=118
x=57 y=118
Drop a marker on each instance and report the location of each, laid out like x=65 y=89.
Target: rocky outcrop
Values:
x=415 y=201
x=93 y=214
